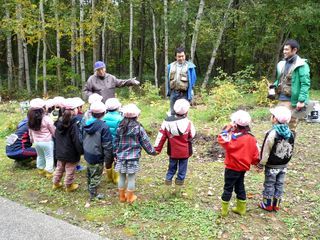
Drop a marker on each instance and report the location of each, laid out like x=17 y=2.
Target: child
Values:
x=276 y=152
x=97 y=146
x=68 y=147
x=112 y=119
x=129 y=140
x=95 y=97
x=41 y=130
x=179 y=131
x=241 y=151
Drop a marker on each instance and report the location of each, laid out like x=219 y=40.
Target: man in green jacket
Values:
x=293 y=82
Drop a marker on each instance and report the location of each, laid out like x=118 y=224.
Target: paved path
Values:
x=20 y=223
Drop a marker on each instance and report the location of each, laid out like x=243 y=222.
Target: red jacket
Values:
x=179 y=132
x=241 y=150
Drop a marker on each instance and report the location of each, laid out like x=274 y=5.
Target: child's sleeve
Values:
x=266 y=147
x=161 y=138
x=145 y=142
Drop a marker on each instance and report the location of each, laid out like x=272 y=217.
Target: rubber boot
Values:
x=49 y=175
x=122 y=195
x=241 y=207
x=224 y=208
x=115 y=176
x=276 y=204
x=42 y=172
x=109 y=175
x=72 y=187
x=130 y=196
x=266 y=204
x=56 y=186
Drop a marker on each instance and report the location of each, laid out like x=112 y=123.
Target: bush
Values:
x=262 y=92
x=150 y=92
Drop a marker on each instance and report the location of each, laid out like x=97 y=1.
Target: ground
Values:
x=162 y=213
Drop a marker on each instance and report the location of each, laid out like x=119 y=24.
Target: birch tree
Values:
x=26 y=64
x=103 y=38
x=142 y=39
x=58 y=35
x=82 y=66
x=73 y=41
x=9 y=51
x=20 y=47
x=44 y=51
x=37 y=65
x=196 y=30
x=184 y=22
x=216 y=45
x=94 y=37
x=166 y=62
x=130 y=38
x=154 y=48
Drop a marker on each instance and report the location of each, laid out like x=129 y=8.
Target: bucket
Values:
x=314 y=112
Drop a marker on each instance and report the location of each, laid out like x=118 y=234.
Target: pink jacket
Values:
x=45 y=133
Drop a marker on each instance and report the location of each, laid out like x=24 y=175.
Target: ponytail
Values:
x=35 y=118
x=66 y=117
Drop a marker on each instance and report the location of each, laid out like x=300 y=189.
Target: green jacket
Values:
x=300 y=80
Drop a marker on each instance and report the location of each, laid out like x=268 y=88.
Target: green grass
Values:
x=161 y=213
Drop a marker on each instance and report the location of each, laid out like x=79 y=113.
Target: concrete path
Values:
x=20 y=223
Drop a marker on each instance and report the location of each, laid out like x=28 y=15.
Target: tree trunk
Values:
x=9 y=53
x=20 y=47
x=142 y=40
x=216 y=46
x=44 y=52
x=26 y=65
x=103 y=39
x=130 y=38
x=73 y=41
x=184 y=22
x=196 y=30
x=58 y=33
x=82 y=66
x=94 y=36
x=154 y=49
x=37 y=65
x=166 y=62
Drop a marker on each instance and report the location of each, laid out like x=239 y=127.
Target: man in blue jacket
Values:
x=181 y=78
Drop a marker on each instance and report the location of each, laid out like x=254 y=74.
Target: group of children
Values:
x=111 y=138
x=242 y=151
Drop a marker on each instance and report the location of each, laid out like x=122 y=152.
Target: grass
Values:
x=161 y=213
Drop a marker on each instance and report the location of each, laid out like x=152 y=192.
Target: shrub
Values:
x=262 y=92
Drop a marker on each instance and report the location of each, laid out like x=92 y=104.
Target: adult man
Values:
x=181 y=78
x=293 y=82
x=104 y=83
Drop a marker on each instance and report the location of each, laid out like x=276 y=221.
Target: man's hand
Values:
x=135 y=81
x=300 y=105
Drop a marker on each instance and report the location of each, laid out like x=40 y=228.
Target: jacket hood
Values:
x=282 y=130
x=298 y=63
x=92 y=126
x=176 y=125
x=62 y=129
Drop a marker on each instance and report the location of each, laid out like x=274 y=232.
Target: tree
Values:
x=20 y=47
x=130 y=38
x=154 y=48
x=166 y=62
x=58 y=33
x=44 y=51
x=73 y=41
x=82 y=65
x=9 y=51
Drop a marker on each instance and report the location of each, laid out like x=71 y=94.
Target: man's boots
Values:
x=241 y=207
x=266 y=204
x=224 y=208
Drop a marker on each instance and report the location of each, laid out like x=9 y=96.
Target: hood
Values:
x=282 y=130
x=62 y=129
x=92 y=126
x=133 y=128
x=177 y=126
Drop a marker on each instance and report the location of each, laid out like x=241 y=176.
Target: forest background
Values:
x=49 y=47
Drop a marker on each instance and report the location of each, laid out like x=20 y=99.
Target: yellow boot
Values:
x=109 y=175
x=56 y=186
x=72 y=187
x=131 y=197
x=49 y=175
x=41 y=172
x=115 y=176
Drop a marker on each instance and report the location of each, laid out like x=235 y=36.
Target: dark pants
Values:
x=233 y=179
x=174 y=96
x=181 y=165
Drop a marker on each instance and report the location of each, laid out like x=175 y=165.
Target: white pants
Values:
x=45 y=155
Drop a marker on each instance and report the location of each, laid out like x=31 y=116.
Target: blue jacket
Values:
x=192 y=77
x=97 y=141
x=112 y=119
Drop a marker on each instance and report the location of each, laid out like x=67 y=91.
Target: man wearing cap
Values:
x=104 y=83
x=293 y=82
x=182 y=78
